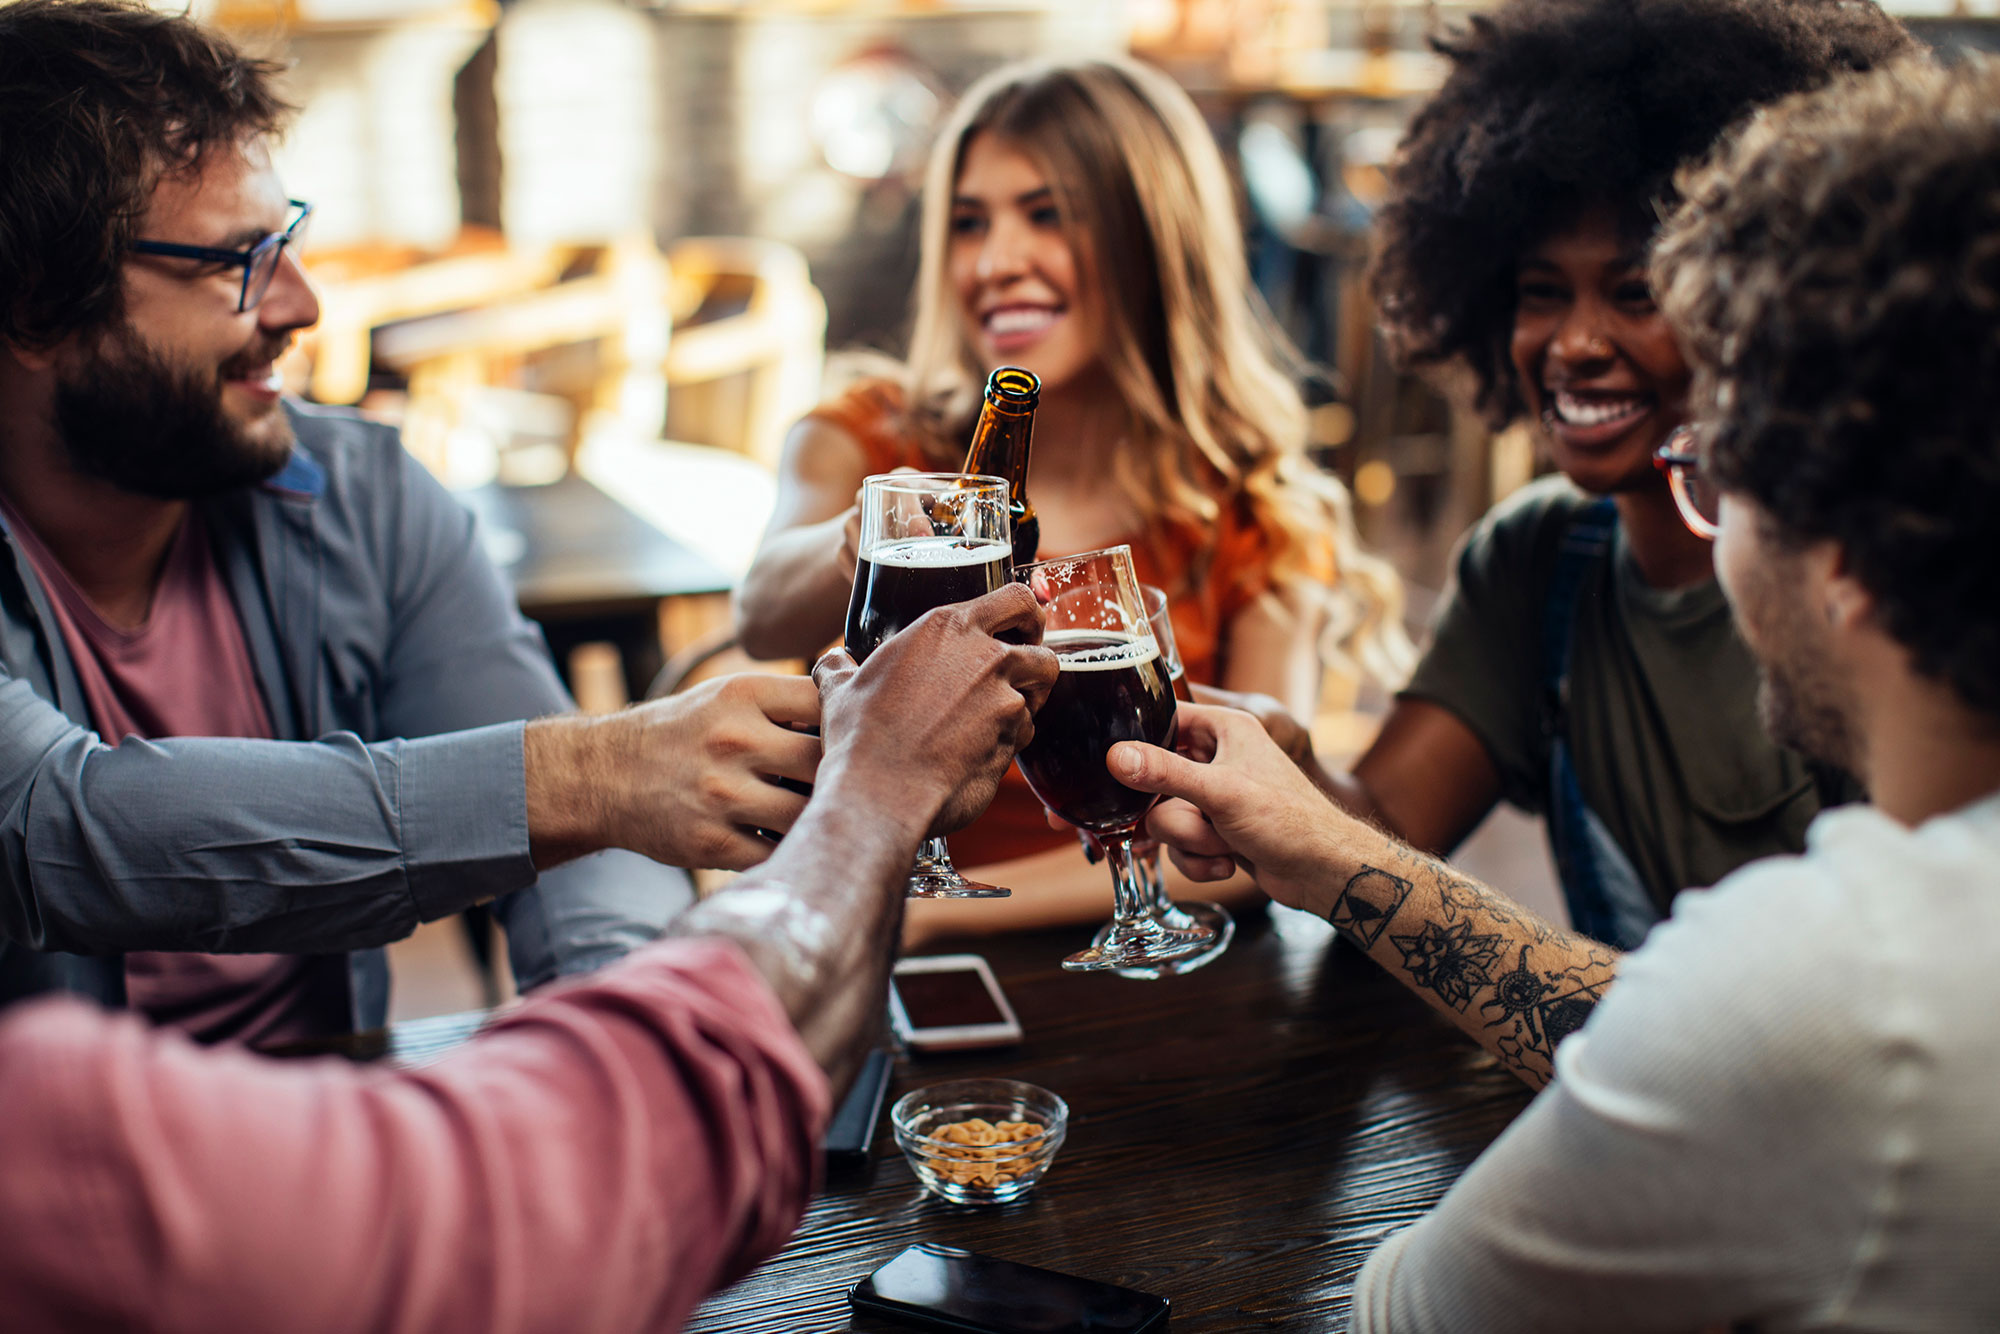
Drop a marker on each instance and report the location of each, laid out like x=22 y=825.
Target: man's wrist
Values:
x=566 y=759
x=1341 y=849
x=894 y=801
x=843 y=857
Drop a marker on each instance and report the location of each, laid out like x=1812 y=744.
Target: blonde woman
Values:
x=1078 y=222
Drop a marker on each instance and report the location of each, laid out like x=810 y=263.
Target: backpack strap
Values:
x=1607 y=899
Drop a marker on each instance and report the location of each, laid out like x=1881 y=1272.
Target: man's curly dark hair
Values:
x=99 y=98
x=1554 y=104
x=1835 y=277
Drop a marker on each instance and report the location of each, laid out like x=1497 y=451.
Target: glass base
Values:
x=1211 y=915
x=1178 y=940
x=934 y=877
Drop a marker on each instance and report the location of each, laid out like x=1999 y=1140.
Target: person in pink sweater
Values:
x=599 y=1159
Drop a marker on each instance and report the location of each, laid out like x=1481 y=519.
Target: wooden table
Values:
x=1240 y=1138
x=588 y=569
x=576 y=552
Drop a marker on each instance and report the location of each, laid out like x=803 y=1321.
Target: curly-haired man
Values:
x=1781 y=1115
x=1582 y=665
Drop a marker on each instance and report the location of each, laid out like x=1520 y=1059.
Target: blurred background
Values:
x=591 y=256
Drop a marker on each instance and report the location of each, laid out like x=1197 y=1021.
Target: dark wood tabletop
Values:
x=571 y=550
x=1240 y=1138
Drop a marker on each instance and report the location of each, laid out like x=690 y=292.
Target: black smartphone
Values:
x=852 y=1128
x=940 y=1287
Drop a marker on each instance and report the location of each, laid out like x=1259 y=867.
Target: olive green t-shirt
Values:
x=1663 y=699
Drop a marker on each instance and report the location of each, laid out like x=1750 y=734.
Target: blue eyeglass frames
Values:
x=260 y=261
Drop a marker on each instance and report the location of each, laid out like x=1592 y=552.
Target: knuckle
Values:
x=736 y=693
x=717 y=792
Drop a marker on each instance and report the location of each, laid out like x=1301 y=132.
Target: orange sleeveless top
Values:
x=1239 y=571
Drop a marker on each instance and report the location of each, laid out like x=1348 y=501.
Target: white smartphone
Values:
x=949 y=1002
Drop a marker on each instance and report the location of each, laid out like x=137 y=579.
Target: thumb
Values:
x=1151 y=769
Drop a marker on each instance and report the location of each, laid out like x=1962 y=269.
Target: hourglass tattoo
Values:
x=1517 y=984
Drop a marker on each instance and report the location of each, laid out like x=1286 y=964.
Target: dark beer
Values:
x=1000 y=444
x=1112 y=688
x=896 y=582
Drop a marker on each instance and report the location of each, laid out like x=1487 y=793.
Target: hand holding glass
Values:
x=1114 y=685
x=1174 y=913
x=927 y=540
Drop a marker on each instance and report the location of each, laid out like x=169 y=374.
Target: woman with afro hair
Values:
x=1583 y=665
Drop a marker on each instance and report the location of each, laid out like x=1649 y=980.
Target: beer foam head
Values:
x=936 y=553
x=1099 y=650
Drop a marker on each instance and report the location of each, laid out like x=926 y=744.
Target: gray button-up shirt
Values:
x=375 y=623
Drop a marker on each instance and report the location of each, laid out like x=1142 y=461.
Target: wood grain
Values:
x=1240 y=1138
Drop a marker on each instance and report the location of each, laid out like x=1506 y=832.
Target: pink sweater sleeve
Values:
x=599 y=1160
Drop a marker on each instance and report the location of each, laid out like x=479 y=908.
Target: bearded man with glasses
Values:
x=190 y=554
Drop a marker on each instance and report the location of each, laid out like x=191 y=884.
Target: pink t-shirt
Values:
x=599 y=1160
x=187 y=672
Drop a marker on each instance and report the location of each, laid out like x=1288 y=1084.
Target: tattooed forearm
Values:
x=1453 y=962
x=1533 y=1009
x=1366 y=906
x=1461 y=897
x=1512 y=981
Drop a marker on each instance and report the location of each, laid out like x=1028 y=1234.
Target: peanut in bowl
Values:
x=979 y=1141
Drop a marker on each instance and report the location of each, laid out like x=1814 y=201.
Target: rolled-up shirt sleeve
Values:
x=228 y=845
x=600 y=1160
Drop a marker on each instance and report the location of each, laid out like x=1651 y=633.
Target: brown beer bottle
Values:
x=1000 y=449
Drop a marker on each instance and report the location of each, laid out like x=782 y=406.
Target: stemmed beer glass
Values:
x=1174 y=913
x=927 y=540
x=1114 y=685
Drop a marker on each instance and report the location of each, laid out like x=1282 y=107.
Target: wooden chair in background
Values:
x=749 y=343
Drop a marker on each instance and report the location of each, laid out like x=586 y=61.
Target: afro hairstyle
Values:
x=1552 y=105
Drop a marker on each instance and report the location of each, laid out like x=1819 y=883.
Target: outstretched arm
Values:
x=1426 y=778
x=916 y=743
x=600 y=1159
x=1515 y=983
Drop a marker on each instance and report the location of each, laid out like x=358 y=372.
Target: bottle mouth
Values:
x=1014 y=385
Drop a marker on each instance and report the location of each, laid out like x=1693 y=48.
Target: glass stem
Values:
x=1157 y=902
x=1129 y=891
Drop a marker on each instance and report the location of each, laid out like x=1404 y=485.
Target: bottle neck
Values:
x=1000 y=445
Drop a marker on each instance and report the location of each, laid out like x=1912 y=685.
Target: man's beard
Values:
x=131 y=418
x=1800 y=707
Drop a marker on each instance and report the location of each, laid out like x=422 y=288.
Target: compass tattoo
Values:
x=1535 y=1010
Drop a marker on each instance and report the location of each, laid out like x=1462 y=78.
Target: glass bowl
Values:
x=979 y=1141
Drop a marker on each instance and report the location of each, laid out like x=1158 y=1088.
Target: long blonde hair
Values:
x=1205 y=377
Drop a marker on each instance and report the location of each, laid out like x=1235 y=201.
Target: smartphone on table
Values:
x=949 y=1002
x=940 y=1287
